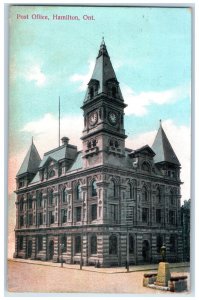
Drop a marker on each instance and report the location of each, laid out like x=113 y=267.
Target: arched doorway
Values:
x=145 y=251
x=29 y=249
x=50 y=250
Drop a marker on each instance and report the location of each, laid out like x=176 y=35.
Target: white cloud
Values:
x=138 y=103
x=180 y=139
x=34 y=73
x=83 y=78
x=45 y=131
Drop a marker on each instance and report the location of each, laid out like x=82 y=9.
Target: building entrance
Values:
x=51 y=250
x=146 y=251
x=29 y=249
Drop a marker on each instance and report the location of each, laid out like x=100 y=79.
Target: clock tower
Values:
x=103 y=134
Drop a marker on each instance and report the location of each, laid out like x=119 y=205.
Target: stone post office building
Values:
x=106 y=203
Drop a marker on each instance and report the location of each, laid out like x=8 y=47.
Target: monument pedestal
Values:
x=163 y=274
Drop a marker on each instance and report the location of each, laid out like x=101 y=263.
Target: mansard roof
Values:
x=103 y=72
x=56 y=154
x=144 y=149
x=31 y=161
x=163 y=149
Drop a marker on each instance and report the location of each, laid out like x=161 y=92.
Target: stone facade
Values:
x=106 y=204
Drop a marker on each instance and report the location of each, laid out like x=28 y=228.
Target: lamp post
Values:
x=81 y=257
x=127 y=250
x=163 y=253
x=62 y=247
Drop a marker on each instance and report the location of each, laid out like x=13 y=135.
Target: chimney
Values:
x=65 y=140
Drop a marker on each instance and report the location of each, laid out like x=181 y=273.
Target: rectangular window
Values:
x=93 y=212
x=145 y=215
x=40 y=243
x=21 y=243
x=172 y=243
x=113 y=213
x=30 y=203
x=21 y=221
x=78 y=213
x=78 y=244
x=40 y=218
x=64 y=215
x=21 y=205
x=130 y=214
x=30 y=219
x=51 y=217
x=172 y=217
x=64 y=243
x=158 y=216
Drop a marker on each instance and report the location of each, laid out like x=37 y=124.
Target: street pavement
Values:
x=47 y=277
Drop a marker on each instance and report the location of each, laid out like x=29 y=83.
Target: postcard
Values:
x=99 y=149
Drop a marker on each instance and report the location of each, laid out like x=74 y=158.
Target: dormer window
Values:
x=51 y=173
x=93 y=88
x=114 y=91
x=146 y=167
x=91 y=92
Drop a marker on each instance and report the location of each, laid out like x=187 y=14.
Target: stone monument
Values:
x=164 y=274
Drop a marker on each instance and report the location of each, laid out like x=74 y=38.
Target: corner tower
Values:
x=103 y=134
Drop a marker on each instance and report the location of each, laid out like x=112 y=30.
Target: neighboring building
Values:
x=185 y=219
x=84 y=204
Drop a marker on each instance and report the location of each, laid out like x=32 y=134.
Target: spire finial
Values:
x=160 y=122
x=32 y=140
x=103 y=43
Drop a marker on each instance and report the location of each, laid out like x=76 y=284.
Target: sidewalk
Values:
x=112 y=270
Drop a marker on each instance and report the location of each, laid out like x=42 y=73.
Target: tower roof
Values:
x=163 y=149
x=103 y=72
x=30 y=162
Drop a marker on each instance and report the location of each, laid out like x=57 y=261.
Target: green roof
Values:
x=78 y=163
x=56 y=154
x=31 y=161
x=163 y=149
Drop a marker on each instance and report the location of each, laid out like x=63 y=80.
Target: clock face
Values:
x=112 y=117
x=93 y=118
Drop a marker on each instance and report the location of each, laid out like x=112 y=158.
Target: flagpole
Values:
x=59 y=122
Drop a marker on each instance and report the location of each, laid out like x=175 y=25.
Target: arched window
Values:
x=133 y=191
x=144 y=194
x=129 y=191
x=21 y=203
x=113 y=244
x=111 y=143
x=159 y=243
x=93 y=188
x=40 y=197
x=64 y=195
x=131 y=244
x=93 y=244
x=112 y=188
x=146 y=167
x=51 y=173
x=78 y=192
x=158 y=195
x=50 y=197
x=30 y=201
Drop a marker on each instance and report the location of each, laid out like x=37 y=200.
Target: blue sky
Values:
x=150 y=49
